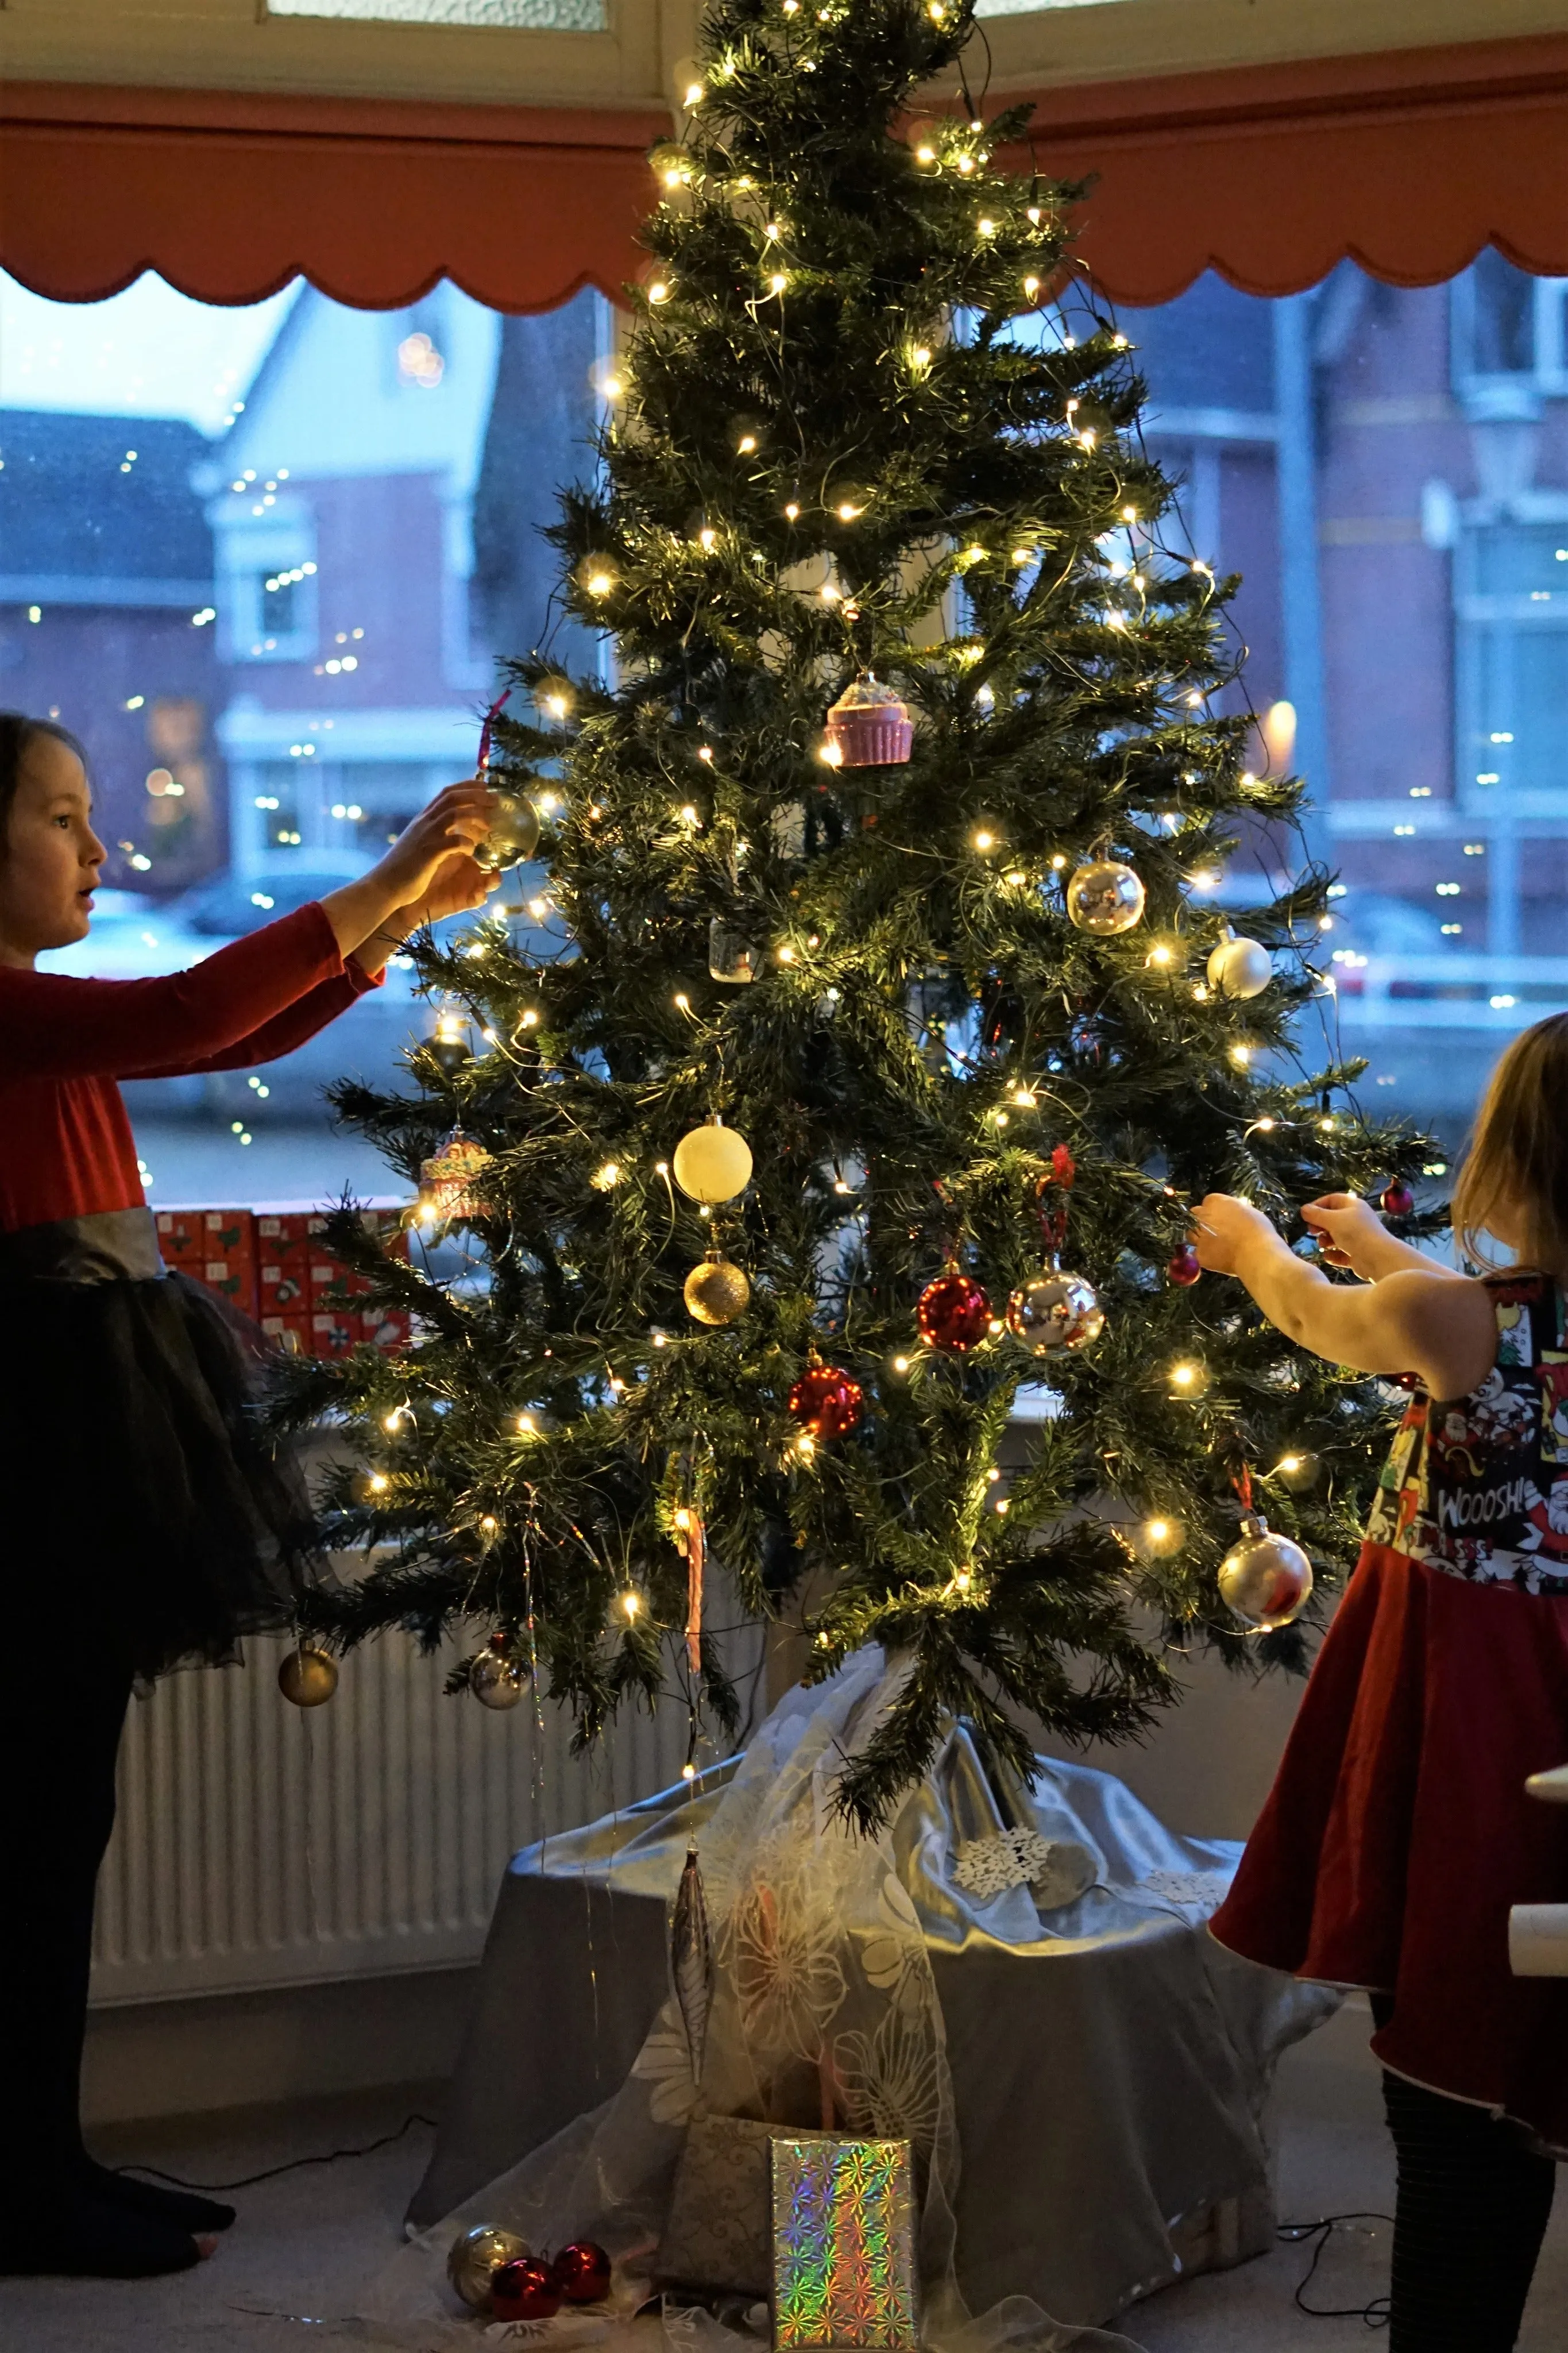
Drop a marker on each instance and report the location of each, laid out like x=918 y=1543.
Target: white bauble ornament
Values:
x=1265 y=1580
x=712 y=1163
x=1105 y=897
x=1240 y=968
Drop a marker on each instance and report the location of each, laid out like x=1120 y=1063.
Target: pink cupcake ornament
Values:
x=869 y=727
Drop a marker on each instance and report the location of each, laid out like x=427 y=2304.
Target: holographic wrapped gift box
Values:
x=843 y=2243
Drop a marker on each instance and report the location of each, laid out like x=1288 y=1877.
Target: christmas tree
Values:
x=867 y=448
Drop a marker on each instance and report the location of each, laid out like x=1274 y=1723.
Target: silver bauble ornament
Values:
x=1104 y=897
x=474 y=2260
x=513 y=836
x=716 y=1292
x=307 y=1676
x=495 y=1682
x=1052 y=1312
x=712 y=1163
x=1240 y=968
x=1265 y=1580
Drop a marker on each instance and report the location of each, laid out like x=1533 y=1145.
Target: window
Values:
x=264 y=563
x=1512 y=666
x=528 y=15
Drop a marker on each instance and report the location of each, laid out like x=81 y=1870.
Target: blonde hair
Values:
x=1516 y=1160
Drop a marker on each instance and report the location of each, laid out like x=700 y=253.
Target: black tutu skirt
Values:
x=139 y=1496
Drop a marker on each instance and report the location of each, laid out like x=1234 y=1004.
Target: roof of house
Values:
x=102 y=510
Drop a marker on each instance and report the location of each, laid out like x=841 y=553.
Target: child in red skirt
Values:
x=1398 y=1834
x=144 y=1522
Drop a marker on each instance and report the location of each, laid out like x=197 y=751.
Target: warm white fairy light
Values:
x=631 y=1603
x=986 y=227
x=746 y=444
x=528 y=1019
x=707 y=538
x=681 y=1001
x=985 y=840
x=777 y=281
x=599 y=584
x=659 y=291
x=1031 y=287
x=792 y=512
x=526 y=1426
x=1188 y=1378
x=608 y=1174
x=830 y=754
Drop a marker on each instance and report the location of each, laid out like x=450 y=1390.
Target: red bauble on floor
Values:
x=583 y=2272
x=525 y=2290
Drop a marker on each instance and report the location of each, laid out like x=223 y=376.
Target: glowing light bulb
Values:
x=847 y=512
x=792 y=512
x=1031 y=287
x=526 y=1426
x=600 y=583
x=901 y=1364
x=707 y=538
x=777 y=282
x=925 y=154
x=683 y=1002
x=378 y=1483
x=920 y=355
x=986 y=227
x=608 y=1174
x=394 y=1419
x=688 y=1772
x=659 y=291
x=830 y=754
x=490 y=1524
x=746 y=444
x=688 y=815
x=692 y=95
x=631 y=1603
x=1188 y=1378
x=985 y=841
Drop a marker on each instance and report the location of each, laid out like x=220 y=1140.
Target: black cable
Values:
x=330 y=2156
x=1375 y=2314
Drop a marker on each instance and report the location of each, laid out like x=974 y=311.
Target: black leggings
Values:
x=60 y=1723
x=1473 y=2203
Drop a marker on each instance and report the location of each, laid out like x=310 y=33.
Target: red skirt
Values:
x=1398 y=1834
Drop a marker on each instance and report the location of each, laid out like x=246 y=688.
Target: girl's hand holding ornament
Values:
x=1226 y=1230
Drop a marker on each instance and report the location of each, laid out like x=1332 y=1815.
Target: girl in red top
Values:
x=141 y=1510
x=1398 y=1834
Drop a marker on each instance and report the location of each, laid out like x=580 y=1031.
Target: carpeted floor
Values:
x=306 y=2239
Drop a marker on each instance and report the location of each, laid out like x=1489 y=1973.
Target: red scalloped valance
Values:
x=1408 y=161
x=229 y=195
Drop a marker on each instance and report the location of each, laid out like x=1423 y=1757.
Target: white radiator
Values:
x=259 y=1844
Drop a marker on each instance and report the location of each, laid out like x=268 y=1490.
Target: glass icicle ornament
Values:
x=1240 y=967
x=1105 y=897
x=447 y=1180
x=869 y=727
x=1265 y=1580
x=712 y=1163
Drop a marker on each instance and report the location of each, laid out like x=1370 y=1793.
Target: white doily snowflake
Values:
x=990 y=1866
x=1206 y=1888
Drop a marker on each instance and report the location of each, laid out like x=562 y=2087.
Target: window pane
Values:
x=530 y=15
x=263 y=563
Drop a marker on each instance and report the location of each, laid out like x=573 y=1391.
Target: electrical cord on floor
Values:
x=1296 y=2235
x=328 y=2157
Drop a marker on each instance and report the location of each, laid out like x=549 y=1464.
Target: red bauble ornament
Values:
x=954 y=1313
x=525 y=2290
x=1184 y=1268
x=583 y=2272
x=1396 y=1200
x=826 y=1402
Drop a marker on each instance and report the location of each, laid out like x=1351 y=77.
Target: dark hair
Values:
x=1518 y=1157
x=18 y=733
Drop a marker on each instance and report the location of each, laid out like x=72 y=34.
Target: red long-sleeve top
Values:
x=66 y=1146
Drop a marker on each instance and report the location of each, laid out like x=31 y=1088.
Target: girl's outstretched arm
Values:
x=1440 y=1326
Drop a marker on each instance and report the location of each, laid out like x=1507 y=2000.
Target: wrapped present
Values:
x=843 y=2243
x=215 y=1247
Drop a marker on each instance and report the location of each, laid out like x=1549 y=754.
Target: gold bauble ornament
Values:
x=1105 y=897
x=716 y=1292
x=1265 y=1580
x=712 y=1163
x=474 y=2258
x=1240 y=967
x=307 y=1676
x=513 y=836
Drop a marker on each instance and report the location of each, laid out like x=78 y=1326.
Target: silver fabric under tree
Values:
x=1018 y=1982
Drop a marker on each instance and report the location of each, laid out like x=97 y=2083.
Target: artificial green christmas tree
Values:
x=868 y=452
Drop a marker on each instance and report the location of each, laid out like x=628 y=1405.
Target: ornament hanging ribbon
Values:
x=488 y=730
x=691 y=1539
x=1051 y=1197
x=1243 y=1486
